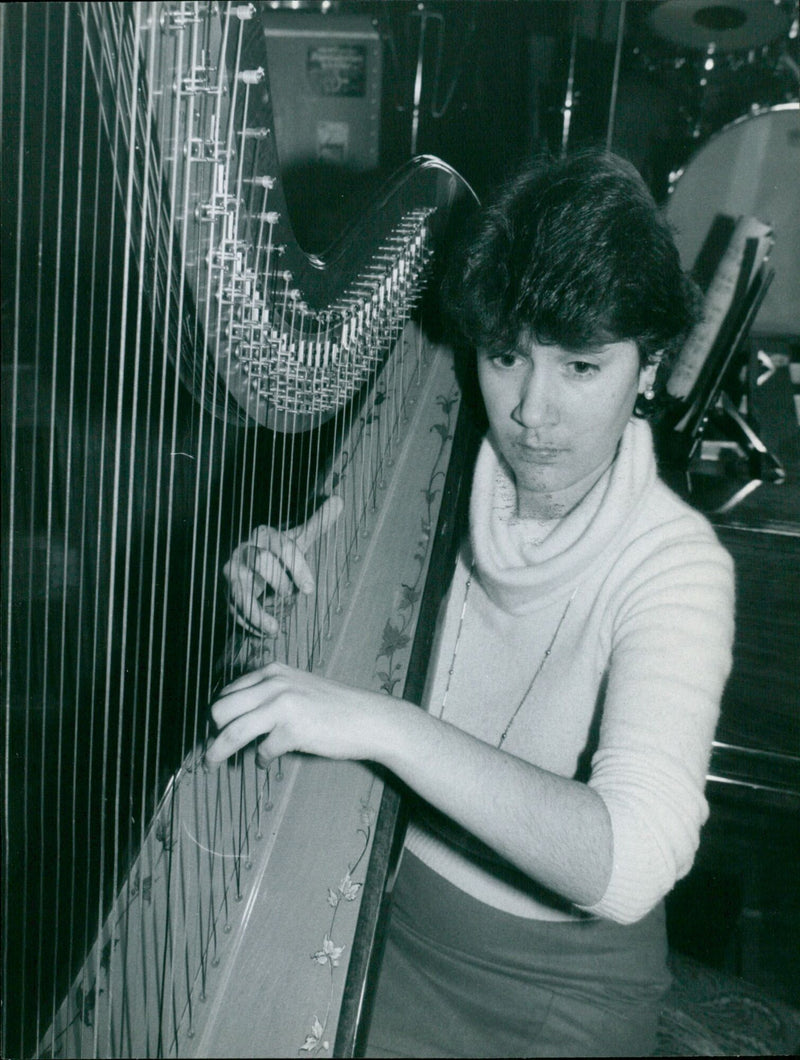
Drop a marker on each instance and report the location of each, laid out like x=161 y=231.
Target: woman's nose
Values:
x=537 y=406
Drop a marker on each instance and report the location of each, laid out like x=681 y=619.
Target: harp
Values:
x=177 y=371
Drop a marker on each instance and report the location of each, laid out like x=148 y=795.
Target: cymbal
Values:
x=725 y=24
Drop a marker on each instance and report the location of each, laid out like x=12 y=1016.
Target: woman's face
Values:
x=557 y=415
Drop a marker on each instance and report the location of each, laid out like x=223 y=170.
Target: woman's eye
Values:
x=582 y=368
x=505 y=360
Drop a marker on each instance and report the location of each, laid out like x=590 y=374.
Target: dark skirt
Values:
x=462 y=979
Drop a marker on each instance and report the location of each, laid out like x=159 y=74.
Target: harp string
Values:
x=117 y=629
x=10 y=567
x=175 y=194
x=170 y=961
x=47 y=755
x=98 y=621
x=207 y=504
x=207 y=924
x=68 y=480
x=28 y=737
x=12 y=524
x=98 y=624
x=134 y=475
x=152 y=207
x=157 y=394
x=79 y=923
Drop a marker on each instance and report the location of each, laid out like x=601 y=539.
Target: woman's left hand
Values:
x=296 y=711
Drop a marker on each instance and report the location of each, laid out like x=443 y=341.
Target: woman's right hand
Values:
x=271 y=566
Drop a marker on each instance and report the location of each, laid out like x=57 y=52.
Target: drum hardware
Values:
x=615 y=77
x=440 y=99
x=571 y=96
x=437 y=18
x=716 y=60
x=721 y=25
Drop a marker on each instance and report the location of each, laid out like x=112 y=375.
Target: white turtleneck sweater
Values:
x=638 y=594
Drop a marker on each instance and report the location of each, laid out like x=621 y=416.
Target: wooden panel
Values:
x=761 y=707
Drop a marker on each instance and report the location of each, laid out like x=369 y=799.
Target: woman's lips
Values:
x=538 y=454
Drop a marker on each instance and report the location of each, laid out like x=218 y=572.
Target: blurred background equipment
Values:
x=326 y=89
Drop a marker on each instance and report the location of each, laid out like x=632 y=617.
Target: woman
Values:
x=580 y=656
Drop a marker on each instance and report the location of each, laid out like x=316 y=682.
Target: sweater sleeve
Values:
x=670 y=657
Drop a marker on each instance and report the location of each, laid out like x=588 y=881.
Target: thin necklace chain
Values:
x=533 y=680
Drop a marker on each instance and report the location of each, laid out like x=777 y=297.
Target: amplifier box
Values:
x=325 y=76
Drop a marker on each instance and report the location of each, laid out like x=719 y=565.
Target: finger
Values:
x=246 y=698
x=263 y=556
x=276 y=570
x=286 y=569
x=269 y=626
x=292 y=545
x=236 y=735
x=245 y=607
x=319 y=523
x=248 y=679
x=246 y=590
x=288 y=558
x=273 y=747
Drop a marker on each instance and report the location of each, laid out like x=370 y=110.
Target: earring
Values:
x=649 y=392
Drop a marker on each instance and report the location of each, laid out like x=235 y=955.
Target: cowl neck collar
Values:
x=522 y=564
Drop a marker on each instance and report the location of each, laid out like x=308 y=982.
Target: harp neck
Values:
x=262 y=330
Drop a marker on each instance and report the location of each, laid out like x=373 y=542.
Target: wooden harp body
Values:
x=177 y=371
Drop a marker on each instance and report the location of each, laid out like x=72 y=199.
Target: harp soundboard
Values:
x=177 y=371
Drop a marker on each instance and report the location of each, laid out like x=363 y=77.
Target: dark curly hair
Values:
x=576 y=252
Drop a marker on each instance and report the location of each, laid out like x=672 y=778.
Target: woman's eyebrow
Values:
x=599 y=350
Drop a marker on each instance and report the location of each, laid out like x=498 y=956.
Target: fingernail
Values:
x=262 y=761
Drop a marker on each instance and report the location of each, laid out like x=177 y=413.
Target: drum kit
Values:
x=732 y=68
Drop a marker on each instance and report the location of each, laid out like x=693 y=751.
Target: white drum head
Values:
x=750 y=167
